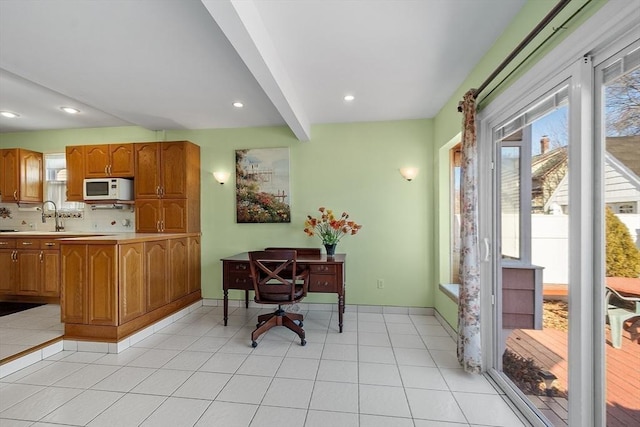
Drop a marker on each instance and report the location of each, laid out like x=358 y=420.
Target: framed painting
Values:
x=262 y=185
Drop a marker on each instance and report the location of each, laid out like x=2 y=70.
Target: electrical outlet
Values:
x=380 y=283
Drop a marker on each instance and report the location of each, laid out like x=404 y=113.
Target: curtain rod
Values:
x=524 y=43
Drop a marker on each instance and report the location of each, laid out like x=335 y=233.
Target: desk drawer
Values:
x=323 y=283
x=233 y=267
x=322 y=268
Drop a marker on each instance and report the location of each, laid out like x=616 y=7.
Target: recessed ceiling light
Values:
x=70 y=110
x=349 y=97
x=238 y=104
x=9 y=114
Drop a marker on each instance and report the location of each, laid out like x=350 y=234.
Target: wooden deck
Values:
x=549 y=349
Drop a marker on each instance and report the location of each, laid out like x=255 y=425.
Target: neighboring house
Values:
x=547 y=171
x=622 y=178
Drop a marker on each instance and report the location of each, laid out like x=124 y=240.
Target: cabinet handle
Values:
x=106 y=170
x=15 y=194
x=27 y=243
x=158 y=225
x=110 y=167
x=14 y=256
x=41 y=256
x=162 y=225
x=158 y=191
x=241 y=267
x=4 y=243
x=49 y=244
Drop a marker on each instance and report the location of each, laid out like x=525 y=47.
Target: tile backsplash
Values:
x=25 y=218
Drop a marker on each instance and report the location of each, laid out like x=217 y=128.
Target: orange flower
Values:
x=329 y=228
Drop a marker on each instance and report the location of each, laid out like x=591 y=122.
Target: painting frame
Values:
x=263 y=188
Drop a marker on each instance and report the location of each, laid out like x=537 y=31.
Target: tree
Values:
x=622 y=105
x=623 y=257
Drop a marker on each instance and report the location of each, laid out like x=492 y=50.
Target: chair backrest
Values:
x=274 y=275
x=301 y=252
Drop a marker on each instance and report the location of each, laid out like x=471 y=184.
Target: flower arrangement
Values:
x=329 y=228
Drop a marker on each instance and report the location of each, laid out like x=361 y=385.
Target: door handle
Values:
x=486 y=250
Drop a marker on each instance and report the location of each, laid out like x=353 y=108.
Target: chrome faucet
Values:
x=55 y=214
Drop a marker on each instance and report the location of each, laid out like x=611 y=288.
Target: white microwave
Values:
x=108 y=189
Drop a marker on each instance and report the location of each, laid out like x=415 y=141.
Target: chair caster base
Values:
x=254 y=344
x=303 y=342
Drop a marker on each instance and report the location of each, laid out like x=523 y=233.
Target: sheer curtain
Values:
x=469 y=345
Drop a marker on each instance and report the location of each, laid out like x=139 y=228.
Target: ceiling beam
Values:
x=243 y=27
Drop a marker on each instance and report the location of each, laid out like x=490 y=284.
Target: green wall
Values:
x=346 y=167
x=448 y=122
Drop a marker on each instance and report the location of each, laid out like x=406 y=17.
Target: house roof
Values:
x=546 y=163
x=627 y=150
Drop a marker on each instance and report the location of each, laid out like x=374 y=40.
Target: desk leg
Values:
x=226 y=306
x=340 y=309
x=246 y=299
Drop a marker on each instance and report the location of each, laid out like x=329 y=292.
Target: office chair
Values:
x=276 y=280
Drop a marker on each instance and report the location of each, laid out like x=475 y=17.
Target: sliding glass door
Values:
x=533 y=212
x=618 y=112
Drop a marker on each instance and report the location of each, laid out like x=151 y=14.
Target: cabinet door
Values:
x=122 y=160
x=30 y=176
x=148 y=216
x=7 y=271
x=147 y=170
x=156 y=257
x=174 y=170
x=96 y=161
x=195 y=264
x=73 y=291
x=28 y=273
x=174 y=216
x=178 y=275
x=131 y=282
x=10 y=175
x=75 y=173
x=50 y=277
x=101 y=279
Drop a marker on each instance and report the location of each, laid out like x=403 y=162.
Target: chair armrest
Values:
x=304 y=276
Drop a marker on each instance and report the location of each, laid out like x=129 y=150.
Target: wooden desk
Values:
x=327 y=276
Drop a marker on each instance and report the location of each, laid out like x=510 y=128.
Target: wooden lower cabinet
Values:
x=8 y=268
x=73 y=270
x=113 y=290
x=131 y=286
x=156 y=254
x=194 y=264
x=29 y=272
x=50 y=277
x=178 y=268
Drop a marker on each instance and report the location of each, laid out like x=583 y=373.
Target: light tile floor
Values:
x=383 y=370
x=21 y=331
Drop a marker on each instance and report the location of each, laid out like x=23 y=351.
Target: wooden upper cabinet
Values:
x=108 y=160
x=173 y=170
x=147 y=166
x=21 y=175
x=75 y=173
x=169 y=172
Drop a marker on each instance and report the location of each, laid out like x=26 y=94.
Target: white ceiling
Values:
x=180 y=64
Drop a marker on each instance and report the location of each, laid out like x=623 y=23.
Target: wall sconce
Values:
x=409 y=173
x=221 y=177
